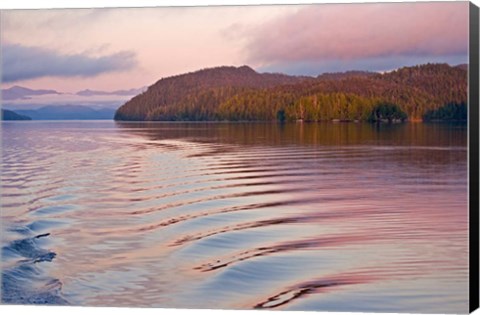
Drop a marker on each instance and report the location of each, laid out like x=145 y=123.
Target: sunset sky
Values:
x=109 y=49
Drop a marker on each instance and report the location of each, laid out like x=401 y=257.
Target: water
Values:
x=333 y=217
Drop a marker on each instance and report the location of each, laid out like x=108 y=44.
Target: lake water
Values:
x=332 y=217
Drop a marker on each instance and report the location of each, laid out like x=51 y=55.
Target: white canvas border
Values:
x=45 y=4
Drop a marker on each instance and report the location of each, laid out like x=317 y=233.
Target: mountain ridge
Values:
x=11 y=115
x=88 y=92
x=241 y=93
x=67 y=112
x=19 y=92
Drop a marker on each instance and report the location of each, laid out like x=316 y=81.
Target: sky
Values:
x=69 y=50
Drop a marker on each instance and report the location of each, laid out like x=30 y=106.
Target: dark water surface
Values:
x=340 y=217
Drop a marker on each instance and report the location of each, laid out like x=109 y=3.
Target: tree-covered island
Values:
x=424 y=92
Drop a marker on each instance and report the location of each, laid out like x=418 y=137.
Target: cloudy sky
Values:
x=110 y=49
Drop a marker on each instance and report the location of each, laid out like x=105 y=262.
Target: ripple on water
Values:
x=234 y=215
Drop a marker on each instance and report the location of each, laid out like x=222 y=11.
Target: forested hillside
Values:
x=229 y=93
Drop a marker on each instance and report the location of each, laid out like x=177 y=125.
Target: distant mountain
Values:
x=23 y=93
x=89 y=92
x=229 y=93
x=19 y=92
x=11 y=115
x=68 y=112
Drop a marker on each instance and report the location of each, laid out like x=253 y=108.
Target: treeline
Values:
x=229 y=93
x=453 y=112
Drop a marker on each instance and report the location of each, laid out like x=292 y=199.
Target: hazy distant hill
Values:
x=18 y=92
x=89 y=92
x=68 y=112
x=229 y=93
x=11 y=115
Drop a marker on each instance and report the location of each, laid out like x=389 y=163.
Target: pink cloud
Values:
x=355 y=31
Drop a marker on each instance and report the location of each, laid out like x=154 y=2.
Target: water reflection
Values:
x=344 y=217
x=329 y=134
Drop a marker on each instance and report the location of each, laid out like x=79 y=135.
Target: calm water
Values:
x=340 y=217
